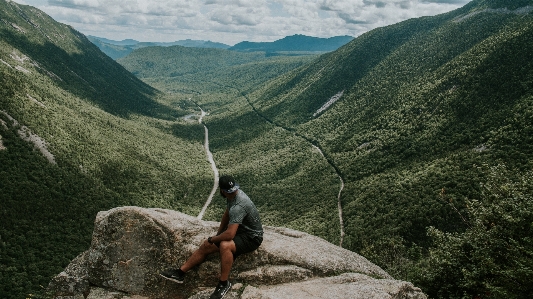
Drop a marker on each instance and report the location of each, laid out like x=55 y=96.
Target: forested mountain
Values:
x=178 y=61
x=426 y=123
x=426 y=120
x=119 y=49
x=295 y=43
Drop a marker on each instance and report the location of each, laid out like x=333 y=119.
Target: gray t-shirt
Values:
x=242 y=211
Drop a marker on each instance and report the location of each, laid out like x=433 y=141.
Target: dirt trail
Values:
x=316 y=146
x=339 y=202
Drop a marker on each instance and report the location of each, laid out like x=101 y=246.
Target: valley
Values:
x=411 y=145
x=402 y=136
x=317 y=147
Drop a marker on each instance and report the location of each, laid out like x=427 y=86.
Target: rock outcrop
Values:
x=131 y=245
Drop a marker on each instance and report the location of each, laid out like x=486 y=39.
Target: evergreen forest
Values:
x=411 y=145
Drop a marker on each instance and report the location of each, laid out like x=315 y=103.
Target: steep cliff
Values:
x=131 y=245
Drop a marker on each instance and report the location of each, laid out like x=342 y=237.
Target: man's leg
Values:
x=199 y=256
x=178 y=275
x=227 y=249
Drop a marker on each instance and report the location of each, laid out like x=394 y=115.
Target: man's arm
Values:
x=227 y=235
x=223 y=222
x=226 y=231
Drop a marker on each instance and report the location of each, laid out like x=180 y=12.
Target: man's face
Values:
x=228 y=195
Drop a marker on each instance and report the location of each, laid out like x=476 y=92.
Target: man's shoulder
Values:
x=242 y=196
x=243 y=200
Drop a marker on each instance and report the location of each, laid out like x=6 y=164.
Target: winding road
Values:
x=213 y=166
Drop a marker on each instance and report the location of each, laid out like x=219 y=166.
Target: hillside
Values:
x=80 y=134
x=176 y=61
x=416 y=116
x=418 y=99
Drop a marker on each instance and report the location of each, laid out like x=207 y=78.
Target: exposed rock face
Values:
x=131 y=245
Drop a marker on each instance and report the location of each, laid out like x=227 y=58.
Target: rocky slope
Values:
x=131 y=245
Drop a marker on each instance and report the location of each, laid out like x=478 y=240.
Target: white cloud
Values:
x=376 y=13
x=232 y=21
x=246 y=15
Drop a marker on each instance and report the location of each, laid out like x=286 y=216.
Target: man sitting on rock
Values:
x=240 y=232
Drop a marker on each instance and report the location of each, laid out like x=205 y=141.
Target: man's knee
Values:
x=227 y=246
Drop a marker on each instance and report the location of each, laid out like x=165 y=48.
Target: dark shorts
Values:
x=245 y=243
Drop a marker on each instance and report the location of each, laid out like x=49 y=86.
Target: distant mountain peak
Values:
x=297 y=42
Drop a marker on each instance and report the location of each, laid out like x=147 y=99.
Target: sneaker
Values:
x=221 y=290
x=173 y=274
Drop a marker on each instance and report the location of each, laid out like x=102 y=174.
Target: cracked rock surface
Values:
x=131 y=245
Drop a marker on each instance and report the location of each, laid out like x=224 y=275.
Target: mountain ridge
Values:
x=296 y=44
x=120 y=49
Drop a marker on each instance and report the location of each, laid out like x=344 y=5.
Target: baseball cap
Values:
x=227 y=184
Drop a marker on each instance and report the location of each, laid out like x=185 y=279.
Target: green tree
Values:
x=493 y=258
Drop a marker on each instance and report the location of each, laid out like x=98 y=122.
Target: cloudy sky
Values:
x=233 y=21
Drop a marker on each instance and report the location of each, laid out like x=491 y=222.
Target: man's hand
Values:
x=227 y=235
